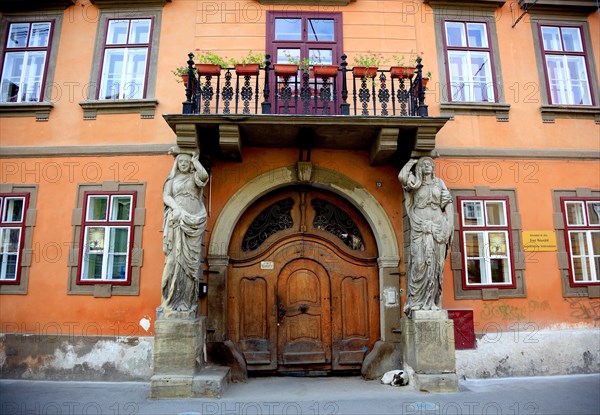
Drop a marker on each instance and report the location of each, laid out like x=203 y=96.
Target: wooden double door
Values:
x=303 y=292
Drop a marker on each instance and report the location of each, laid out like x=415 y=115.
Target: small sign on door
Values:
x=267 y=265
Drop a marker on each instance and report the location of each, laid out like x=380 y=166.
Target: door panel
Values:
x=307 y=296
x=304 y=328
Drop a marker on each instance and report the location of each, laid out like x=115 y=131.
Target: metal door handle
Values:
x=303 y=308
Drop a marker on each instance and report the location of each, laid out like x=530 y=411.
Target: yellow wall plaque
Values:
x=539 y=241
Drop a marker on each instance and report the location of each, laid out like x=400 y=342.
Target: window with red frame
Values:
x=582 y=233
x=469 y=61
x=566 y=66
x=106 y=238
x=13 y=208
x=24 y=61
x=486 y=241
x=125 y=59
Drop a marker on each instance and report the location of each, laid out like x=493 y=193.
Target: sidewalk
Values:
x=576 y=394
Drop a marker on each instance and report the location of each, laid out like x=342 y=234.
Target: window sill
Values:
x=495 y=3
x=476 y=108
x=307 y=2
x=550 y=112
x=569 y=7
x=145 y=107
x=39 y=110
x=130 y=3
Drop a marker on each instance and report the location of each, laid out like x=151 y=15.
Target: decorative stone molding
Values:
x=31 y=5
x=550 y=112
x=39 y=110
x=467 y=3
x=128 y=3
x=145 y=107
x=500 y=110
x=384 y=146
x=307 y=2
x=230 y=141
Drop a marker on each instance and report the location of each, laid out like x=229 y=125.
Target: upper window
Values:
x=470 y=63
x=565 y=64
x=486 y=243
x=125 y=59
x=582 y=235
x=25 y=61
x=12 y=230
x=107 y=235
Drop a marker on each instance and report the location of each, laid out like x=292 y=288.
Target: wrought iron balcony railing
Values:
x=380 y=93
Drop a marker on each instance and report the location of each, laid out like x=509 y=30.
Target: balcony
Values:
x=382 y=111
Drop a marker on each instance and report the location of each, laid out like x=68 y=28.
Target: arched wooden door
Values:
x=303 y=291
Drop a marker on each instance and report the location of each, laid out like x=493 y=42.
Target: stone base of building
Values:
x=210 y=382
x=429 y=350
x=384 y=357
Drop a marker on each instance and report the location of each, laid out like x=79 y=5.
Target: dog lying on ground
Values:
x=395 y=378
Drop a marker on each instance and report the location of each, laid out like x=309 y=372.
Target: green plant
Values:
x=400 y=60
x=210 y=58
x=179 y=71
x=251 y=57
x=369 y=59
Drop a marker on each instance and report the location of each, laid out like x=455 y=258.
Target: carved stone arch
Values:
x=387 y=352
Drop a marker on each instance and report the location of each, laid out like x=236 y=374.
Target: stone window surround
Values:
x=482 y=12
x=106 y=289
x=549 y=111
x=591 y=291
x=27 y=251
x=518 y=255
x=146 y=106
x=40 y=110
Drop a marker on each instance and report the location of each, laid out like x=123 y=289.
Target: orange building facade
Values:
x=89 y=109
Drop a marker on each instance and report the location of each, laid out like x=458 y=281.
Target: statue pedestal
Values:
x=179 y=365
x=429 y=349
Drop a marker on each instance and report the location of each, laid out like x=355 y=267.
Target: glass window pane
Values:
x=11 y=240
x=472 y=212
x=13 y=210
x=593 y=212
x=92 y=266
x=477 y=35
x=119 y=240
x=17 y=35
x=481 y=72
x=595 y=244
x=117 y=267
x=11 y=76
x=455 y=34
x=284 y=55
x=321 y=30
x=40 y=34
x=475 y=268
x=96 y=209
x=94 y=239
x=117 y=32
x=579 y=87
x=557 y=77
x=578 y=243
x=288 y=29
x=322 y=56
x=140 y=31
x=474 y=244
x=496 y=214
x=135 y=73
x=8 y=267
x=120 y=208
x=500 y=270
x=498 y=245
x=551 y=38
x=572 y=39
x=575 y=213
x=112 y=72
x=459 y=76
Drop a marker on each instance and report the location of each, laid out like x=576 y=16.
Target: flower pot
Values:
x=365 y=72
x=208 y=69
x=248 y=69
x=424 y=81
x=185 y=79
x=404 y=72
x=286 y=69
x=323 y=71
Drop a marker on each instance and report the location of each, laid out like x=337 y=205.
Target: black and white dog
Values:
x=395 y=378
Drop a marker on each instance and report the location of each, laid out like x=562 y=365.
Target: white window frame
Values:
x=107 y=224
x=591 y=268
x=126 y=80
x=6 y=227
x=26 y=93
x=485 y=253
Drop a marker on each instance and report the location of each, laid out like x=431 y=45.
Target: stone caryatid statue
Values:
x=428 y=204
x=184 y=225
